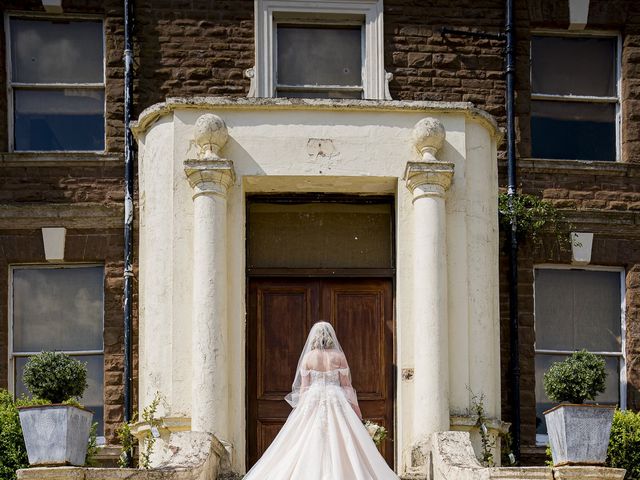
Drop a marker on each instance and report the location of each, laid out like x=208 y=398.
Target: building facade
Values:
x=362 y=188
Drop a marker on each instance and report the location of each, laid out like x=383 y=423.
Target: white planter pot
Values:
x=579 y=434
x=56 y=434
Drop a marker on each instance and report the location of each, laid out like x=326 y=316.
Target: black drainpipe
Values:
x=128 y=205
x=513 y=234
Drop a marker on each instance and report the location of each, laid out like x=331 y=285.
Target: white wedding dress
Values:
x=323 y=438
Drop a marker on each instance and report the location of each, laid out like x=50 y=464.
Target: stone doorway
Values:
x=310 y=259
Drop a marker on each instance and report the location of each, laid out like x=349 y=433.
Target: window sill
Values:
x=578 y=167
x=21 y=159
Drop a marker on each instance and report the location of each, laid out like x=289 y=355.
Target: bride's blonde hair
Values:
x=323 y=339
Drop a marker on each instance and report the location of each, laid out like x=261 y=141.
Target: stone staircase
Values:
x=200 y=456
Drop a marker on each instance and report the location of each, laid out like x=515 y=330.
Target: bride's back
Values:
x=324 y=360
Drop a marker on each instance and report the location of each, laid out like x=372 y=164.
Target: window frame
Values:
x=12 y=355
x=590 y=99
x=541 y=439
x=311 y=13
x=11 y=85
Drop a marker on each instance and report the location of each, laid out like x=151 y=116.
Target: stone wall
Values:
x=83 y=245
x=192 y=48
x=82 y=192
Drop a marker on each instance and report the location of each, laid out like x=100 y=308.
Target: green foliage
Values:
x=55 y=376
x=477 y=408
x=13 y=454
x=580 y=377
x=624 y=445
x=92 y=448
x=549 y=461
x=533 y=217
x=149 y=439
x=127 y=440
x=506 y=450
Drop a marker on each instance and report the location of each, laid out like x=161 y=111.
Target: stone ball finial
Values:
x=210 y=136
x=428 y=137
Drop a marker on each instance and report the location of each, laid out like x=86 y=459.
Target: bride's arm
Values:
x=305 y=378
x=305 y=381
x=345 y=383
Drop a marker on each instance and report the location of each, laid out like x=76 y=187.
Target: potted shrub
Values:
x=578 y=433
x=57 y=433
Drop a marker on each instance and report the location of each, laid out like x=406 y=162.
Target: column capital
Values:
x=428 y=178
x=210 y=177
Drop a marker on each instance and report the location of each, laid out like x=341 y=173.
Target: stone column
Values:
x=428 y=179
x=210 y=177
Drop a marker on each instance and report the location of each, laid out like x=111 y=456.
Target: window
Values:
x=323 y=62
x=56 y=84
x=574 y=107
x=305 y=234
x=59 y=309
x=579 y=309
x=311 y=49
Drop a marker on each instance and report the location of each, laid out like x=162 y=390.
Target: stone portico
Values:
x=199 y=160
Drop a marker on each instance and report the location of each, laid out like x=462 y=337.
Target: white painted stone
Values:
x=581 y=246
x=210 y=180
x=453 y=458
x=268 y=142
x=186 y=456
x=428 y=181
x=578 y=14
x=210 y=134
x=588 y=473
x=428 y=136
x=53 y=239
x=52 y=6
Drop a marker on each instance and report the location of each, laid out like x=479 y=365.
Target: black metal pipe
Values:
x=510 y=72
x=128 y=206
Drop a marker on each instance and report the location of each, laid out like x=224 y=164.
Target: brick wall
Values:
x=192 y=48
x=429 y=66
x=82 y=181
x=102 y=246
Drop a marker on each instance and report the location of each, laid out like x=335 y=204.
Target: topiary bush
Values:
x=580 y=377
x=624 y=444
x=55 y=376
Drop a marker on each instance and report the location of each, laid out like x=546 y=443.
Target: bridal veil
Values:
x=322 y=352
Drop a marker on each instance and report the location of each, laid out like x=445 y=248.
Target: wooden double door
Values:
x=281 y=313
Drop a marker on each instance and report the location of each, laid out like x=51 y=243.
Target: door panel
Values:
x=281 y=309
x=361 y=312
x=281 y=312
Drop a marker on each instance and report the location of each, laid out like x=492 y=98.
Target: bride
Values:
x=323 y=438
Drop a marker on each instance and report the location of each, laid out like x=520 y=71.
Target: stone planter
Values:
x=56 y=434
x=579 y=434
